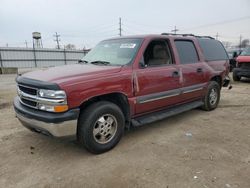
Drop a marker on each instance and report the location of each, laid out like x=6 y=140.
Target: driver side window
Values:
x=157 y=54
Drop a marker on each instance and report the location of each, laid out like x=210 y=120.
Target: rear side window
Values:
x=213 y=50
x=186 y=51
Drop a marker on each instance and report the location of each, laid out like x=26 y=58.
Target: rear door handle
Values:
x=199 y=70
x=175 y=74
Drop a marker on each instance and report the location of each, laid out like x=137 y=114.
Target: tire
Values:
x=235 y=76
x=212 y=96
x=100 y=127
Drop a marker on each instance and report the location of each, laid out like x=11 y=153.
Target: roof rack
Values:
x=205 y=37
x=187 y=35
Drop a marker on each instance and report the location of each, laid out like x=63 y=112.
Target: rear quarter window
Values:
x=187 y=51
x=213 y=50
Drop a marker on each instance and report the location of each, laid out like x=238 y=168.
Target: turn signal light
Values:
x=61 y=108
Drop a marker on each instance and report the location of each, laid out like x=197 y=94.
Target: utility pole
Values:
x=240 y=41
x=175 y=30
x=57 y=40
x=217 y=36
x=120 y=27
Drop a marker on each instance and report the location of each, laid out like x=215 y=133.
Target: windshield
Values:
x=114 y=52
x=246 y=52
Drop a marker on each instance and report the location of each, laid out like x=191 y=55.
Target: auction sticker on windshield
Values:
x=128 y=45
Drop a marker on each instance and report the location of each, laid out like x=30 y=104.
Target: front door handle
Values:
x=199 y=70
x=175 y=74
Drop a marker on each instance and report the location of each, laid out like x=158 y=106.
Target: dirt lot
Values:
x=162 y=154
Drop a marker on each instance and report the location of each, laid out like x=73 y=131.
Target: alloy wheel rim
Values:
x=213 y=96
x=105 y=129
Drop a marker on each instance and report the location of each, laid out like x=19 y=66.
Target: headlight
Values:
x=52 y=100
x=51 y=94
x=52 y=108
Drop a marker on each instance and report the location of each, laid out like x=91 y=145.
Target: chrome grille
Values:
x=27 y=96
x=28 y=90
x=245 y=65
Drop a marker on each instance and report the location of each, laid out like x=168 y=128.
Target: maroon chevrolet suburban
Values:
x=123 y=82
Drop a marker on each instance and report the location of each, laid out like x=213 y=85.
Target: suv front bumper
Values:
x=54 y=124
x=242 y=72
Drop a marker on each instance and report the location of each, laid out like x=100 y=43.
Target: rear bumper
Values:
x=242 y=72
x=54 y=124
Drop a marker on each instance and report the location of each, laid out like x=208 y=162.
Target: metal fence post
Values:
x=65 y=58
x=34 y=51
x=1 y=61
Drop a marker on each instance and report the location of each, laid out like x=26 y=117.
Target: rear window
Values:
x=213 y=50
x=246 y=52
x=186 y=51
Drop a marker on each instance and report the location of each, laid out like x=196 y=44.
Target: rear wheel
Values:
x=212 y=96
x=100 y=126
x=235 y=76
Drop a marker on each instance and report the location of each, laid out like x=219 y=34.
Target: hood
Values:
x=67 y=73
x=243 y=59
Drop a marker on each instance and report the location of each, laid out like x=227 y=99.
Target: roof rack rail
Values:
x=188 y=34
x=170 y=34
x=205 y=37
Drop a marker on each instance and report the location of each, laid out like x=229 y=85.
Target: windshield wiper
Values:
x=100 y=62
x=82 y=61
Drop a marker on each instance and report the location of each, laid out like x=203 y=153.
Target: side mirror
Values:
x=235 y=54
x=142 y=65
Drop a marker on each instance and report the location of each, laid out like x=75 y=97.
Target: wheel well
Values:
x=117 y=98
x=217 y=79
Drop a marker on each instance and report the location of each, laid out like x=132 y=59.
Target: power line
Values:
x=91 y=31
x=217 y=23
x=57 y=40
x=135 y=29
x=142 y=24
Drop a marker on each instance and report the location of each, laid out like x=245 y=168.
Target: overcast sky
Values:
x=85 y=22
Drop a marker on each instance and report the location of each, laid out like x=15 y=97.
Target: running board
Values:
x=156 y=116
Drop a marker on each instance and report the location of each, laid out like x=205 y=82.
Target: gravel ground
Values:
x=194 y=149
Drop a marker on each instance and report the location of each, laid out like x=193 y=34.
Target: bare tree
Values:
x=227 y=44
x=70 y=47
x=245 y=43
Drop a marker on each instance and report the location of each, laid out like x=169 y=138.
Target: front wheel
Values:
x=100 y=127
x=212 y=96
x=235 y=76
